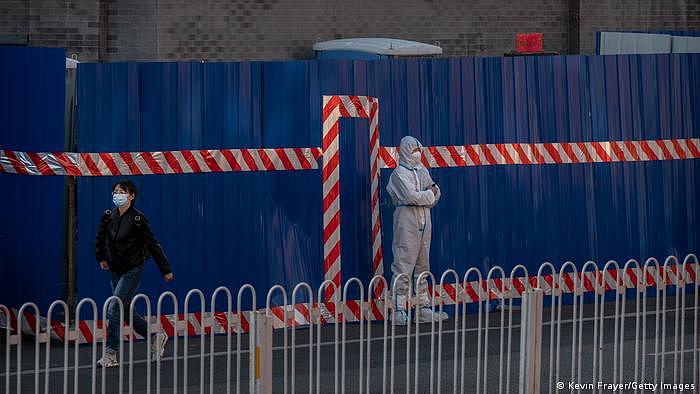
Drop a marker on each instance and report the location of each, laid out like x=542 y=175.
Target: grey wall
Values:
x=286 y=29
x=636 y=15
x=52 y=23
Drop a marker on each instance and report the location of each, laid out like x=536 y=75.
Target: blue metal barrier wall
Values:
x=32 y=90
x=265 y=228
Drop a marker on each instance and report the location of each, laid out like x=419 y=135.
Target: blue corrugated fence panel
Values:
x=32 y=82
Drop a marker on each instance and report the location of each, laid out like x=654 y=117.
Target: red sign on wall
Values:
x=528 y=42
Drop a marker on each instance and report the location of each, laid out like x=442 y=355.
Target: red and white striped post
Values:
x=335 y=107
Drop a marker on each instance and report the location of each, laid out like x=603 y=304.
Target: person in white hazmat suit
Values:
x=413 y=194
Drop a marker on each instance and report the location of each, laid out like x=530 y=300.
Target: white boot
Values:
x=399 y=317
x=426 y=314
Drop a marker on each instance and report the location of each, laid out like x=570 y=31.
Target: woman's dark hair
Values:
x=127 y=186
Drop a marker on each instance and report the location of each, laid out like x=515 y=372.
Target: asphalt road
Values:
x=420 y=370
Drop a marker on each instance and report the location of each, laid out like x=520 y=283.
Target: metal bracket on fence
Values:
x=209 y=320
x=72 y=335
x=531 y=341
x=262 y=361
x=556 y=291
x=181 y=327
x=43 y=337
x=314 y=314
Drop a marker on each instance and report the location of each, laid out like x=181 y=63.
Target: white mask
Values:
x=416 y=157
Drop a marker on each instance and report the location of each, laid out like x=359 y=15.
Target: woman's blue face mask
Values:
x=120 y=199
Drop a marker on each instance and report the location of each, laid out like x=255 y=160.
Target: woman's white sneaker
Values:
x=158 y=345
x=109 y=360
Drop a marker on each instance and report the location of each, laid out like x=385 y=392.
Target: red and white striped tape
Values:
x=281 y=159
x=167 y=162
x=353 y=311
x=193 y=325
x=550 y=153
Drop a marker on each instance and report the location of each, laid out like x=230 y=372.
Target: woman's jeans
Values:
x=124 y=286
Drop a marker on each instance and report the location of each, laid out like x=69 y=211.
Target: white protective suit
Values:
x=409 y=189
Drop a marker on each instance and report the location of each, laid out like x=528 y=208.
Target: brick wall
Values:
x=72 y=25
x=14 y=18
x=131 y=29
x=286 y=29
x=279 y=29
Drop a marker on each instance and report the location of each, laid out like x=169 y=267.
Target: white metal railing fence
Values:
x=586 y=330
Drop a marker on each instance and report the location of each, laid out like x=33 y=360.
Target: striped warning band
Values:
x=550 y=153
x=282 y=159
x=448 y=294
x=168 y=162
